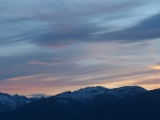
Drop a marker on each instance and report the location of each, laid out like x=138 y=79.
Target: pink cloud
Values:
x=39 y=62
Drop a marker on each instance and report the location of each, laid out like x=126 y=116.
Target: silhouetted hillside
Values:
x=144 y=106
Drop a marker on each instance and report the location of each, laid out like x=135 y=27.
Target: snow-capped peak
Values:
x=11 y=102
x=92 y=89
x=90 y=92
x=84 y=93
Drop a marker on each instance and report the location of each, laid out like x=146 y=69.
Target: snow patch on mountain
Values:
x=84 y=93
x=8 y=102
x=90 y=92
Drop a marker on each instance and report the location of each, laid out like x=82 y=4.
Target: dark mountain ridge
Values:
x=142 y=105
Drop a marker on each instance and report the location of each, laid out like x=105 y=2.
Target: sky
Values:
x=51 y=46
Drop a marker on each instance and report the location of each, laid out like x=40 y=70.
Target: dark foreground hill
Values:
x=119 y=104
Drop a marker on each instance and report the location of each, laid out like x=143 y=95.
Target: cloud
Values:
x=67 y=35
x=155 y=67
x=145 y=30
x=148 y=82
x=49 y=62
x=59 y=23
x=38 y=95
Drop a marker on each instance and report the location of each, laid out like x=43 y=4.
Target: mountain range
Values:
x=90 y=103
x=9 y=102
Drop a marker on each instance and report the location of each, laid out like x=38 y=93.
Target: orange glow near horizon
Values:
x=48 y=84
x=156 y=67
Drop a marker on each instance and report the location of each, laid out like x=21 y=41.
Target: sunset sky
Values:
x=51 y=46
